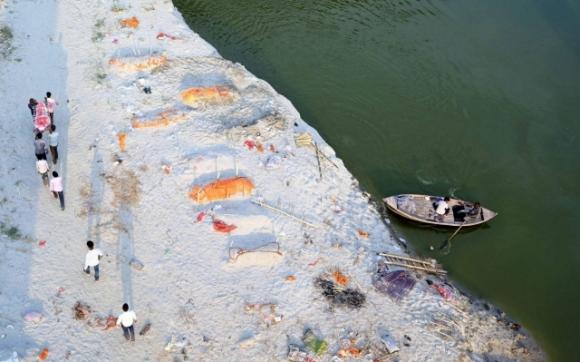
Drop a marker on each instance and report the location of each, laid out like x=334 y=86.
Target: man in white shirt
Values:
x=92 y=259
x=42 y=168
x=126 y=321
x=441 y=208
x=50 y=105
x=53 y=143
x=56 y=188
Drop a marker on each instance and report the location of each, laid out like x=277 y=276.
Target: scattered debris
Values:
x=290 y=278
x=145 y=329
x=200 y=216
x=43 y=355
x=263 y=129
x=266 y=312
x=163 y=36
x=303 y=139
x=81 y=310
x=248 y=341
x=122 y=138
x=317 y=345
x=390 y=343
x=222 y=227
x=176 y=344
x=42 y=243
x=222 y=190
x=136 y=264
x=363 y=234
x=33 y=317
x=339 y=295
x=340 y=278
x=396 y=284
x=297 y=355
x=131 y=22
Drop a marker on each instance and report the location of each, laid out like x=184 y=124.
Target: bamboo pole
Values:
x=262 y=204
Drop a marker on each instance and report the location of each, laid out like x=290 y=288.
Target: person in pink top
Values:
x=56 y=188
x=50 y=105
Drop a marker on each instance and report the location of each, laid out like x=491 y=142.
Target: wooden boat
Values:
x=420 y=208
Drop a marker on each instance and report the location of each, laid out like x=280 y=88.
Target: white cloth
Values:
x=53 y=139
x=56 y=184
x=42 y=166
x=50 y=105
x=92 y=258
x=441 y=207
x=127 y=319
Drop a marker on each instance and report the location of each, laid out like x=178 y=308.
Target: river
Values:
x=478 y=99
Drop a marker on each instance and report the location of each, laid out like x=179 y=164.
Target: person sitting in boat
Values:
x=441 y=208
x=462 y=210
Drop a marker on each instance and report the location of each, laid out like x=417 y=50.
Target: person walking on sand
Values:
x=42 y=168
x=53 y=143
x=126 y=321
x=39 y=147
x=92 y=259
x=50 y=105
x=56 y=188
x=32 y=106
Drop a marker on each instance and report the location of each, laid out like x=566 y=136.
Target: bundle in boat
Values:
x=137 y=64
x=200 y=96
x=162 y=119
x=222 y=190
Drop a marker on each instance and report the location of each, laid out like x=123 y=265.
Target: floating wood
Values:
x=411 y=263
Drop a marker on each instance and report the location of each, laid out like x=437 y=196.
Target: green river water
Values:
x=480 y=99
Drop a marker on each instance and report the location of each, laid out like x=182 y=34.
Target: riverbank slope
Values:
x=140 y=171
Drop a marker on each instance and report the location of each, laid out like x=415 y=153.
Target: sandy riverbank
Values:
x=131 y=162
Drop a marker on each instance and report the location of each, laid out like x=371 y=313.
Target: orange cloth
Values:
x=222 y=190
x=198 y=95
x=129 y=22
x=122 y=138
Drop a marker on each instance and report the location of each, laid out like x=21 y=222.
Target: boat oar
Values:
x=448 y=241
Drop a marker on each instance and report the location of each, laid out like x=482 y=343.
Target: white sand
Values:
x=133 y=209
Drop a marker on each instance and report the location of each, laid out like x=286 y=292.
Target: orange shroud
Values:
x=197 y=96
x=222 y=190
x=137 y=65
x=129 y=22
x=164 y=119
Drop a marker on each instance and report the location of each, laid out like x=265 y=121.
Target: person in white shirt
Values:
x=92 y=259
x=126 y=321
x=53 y=143
x=441 y=208
x=56 y=188
x=50 y=105
x=42 y=168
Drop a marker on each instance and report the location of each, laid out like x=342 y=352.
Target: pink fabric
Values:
x=41 y=120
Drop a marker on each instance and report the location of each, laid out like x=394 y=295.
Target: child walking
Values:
x=92 y=259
